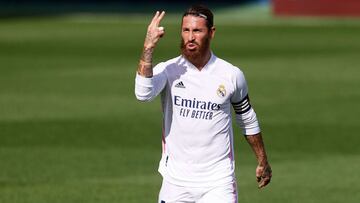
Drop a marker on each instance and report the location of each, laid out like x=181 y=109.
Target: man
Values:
x=197 y=91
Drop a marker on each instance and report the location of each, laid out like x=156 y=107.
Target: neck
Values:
x=200 y=61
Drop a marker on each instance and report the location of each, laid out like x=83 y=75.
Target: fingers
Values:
x=157 y=18
x=154 y=32
x=263 y=175
x=160 y=17
x=259 y=173
x=258 y=179
x=153 y=21
x=161 y=31
x=264 y=181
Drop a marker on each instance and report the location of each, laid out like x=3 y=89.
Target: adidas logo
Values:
x=180 y=85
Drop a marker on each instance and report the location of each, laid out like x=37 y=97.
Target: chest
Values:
x=199 y=89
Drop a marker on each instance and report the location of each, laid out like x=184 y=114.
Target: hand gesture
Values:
x=263 y=175
x=154 y=32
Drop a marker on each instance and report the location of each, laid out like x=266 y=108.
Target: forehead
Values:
x=191 y=21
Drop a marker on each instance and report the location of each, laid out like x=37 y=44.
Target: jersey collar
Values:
x=207 y=66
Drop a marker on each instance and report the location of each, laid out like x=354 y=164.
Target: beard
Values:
x=197 y=54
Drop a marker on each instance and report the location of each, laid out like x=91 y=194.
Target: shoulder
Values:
x=170 y=62
x=167 y=65
x=229 y=69
x=236 y=78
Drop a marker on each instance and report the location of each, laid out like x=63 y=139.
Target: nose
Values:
x=191 y=36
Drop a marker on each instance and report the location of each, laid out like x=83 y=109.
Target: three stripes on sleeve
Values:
x=242 y=106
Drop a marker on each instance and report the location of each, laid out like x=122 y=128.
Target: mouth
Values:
x=191 y=46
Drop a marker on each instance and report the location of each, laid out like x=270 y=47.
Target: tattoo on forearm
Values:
x=145 y=64
x=147 y=55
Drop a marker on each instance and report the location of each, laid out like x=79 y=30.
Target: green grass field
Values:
x=71 y=129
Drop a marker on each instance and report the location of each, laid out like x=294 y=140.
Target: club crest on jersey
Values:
x=221 y=91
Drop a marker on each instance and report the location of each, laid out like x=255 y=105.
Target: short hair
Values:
x=203 y=12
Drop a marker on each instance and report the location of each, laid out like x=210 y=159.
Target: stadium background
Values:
x=71 y=129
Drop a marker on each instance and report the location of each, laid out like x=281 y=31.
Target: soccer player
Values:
x=197 y=91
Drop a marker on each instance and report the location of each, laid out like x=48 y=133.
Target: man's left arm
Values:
x=263 y=170
x=246 y=118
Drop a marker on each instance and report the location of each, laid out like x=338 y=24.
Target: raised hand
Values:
x=154 y=32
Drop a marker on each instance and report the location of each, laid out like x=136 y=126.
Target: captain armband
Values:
x=243 y=106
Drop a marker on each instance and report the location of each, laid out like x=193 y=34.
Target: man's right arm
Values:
x=154 y=33
x=147 y=86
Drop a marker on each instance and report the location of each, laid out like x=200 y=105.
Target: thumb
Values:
x=161 y=31
x=258 y=173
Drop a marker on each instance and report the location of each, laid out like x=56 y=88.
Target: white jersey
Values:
x=197 y=130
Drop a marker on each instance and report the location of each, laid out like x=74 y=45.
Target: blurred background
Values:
x=71 y=129
x=46 y=7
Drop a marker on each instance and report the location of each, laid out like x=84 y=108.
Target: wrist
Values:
x=145 y=63
x=263 y=161
x=149 y=46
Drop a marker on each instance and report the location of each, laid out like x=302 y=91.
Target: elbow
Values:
x=143 y=97
x=248 y=122
x=143 y=94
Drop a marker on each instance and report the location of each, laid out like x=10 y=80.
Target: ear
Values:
x=212 y=32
